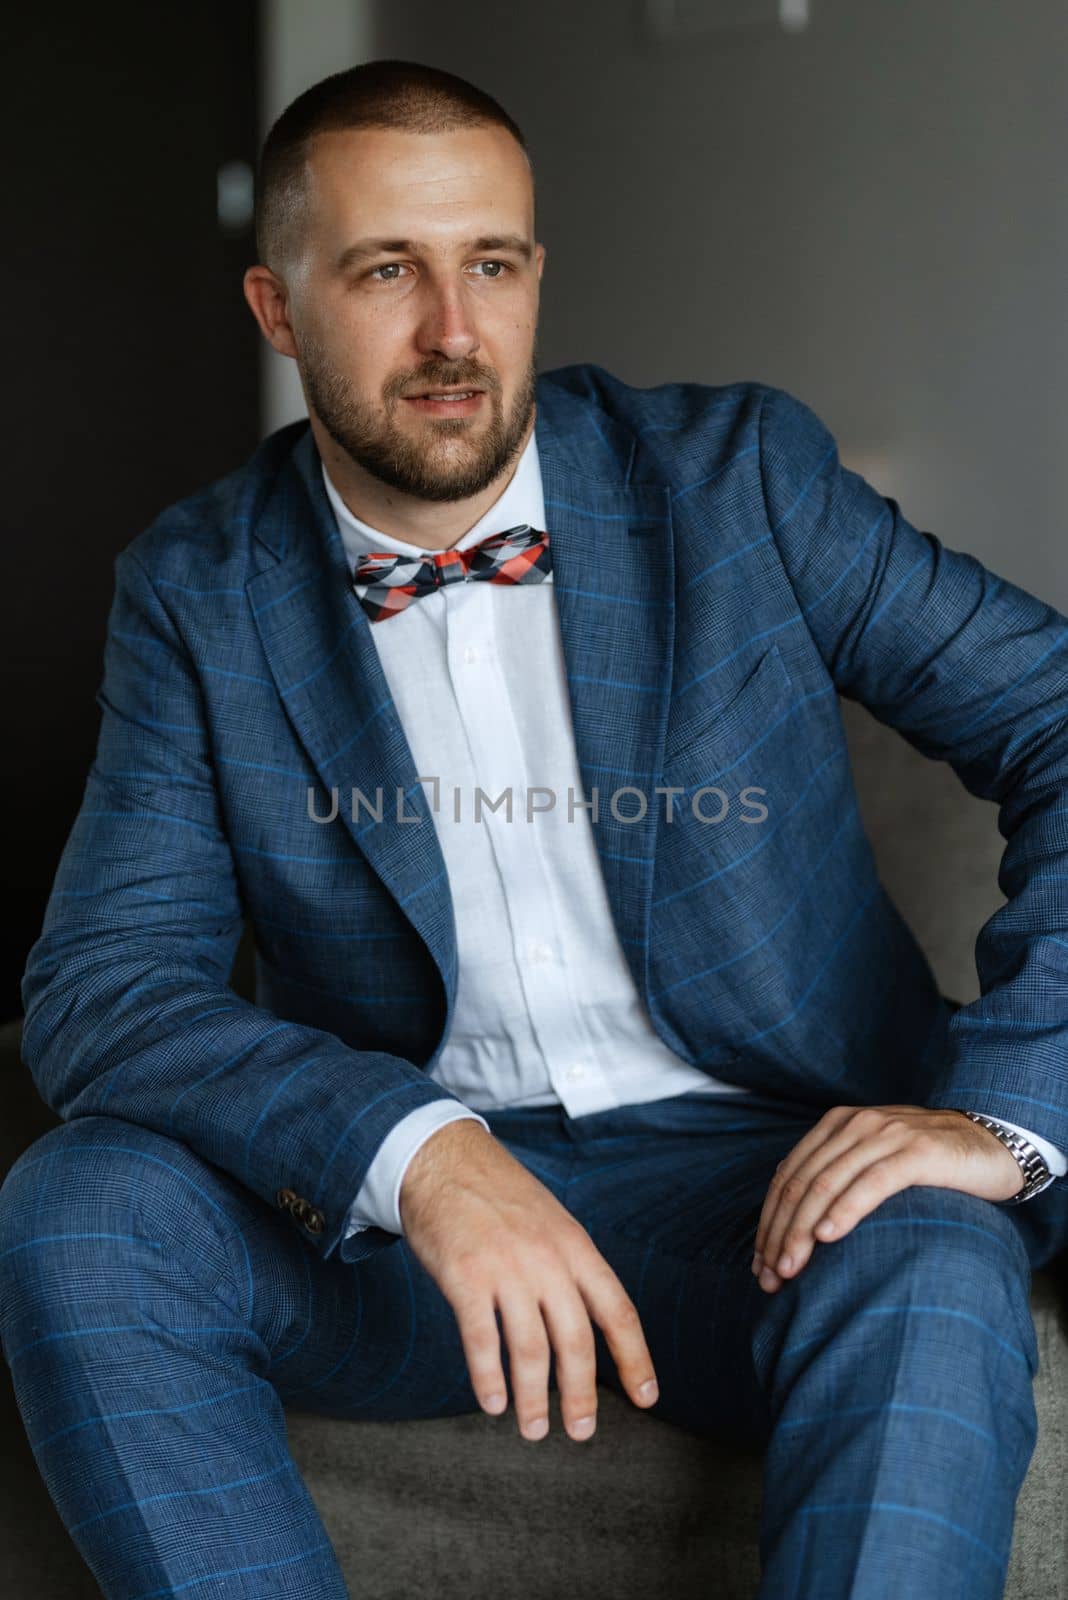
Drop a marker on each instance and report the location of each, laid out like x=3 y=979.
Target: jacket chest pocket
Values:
x=763 y=778
x=729 y=745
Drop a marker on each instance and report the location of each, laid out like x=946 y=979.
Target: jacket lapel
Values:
x=613 y=576
x=613 y=579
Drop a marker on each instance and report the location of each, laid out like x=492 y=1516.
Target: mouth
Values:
x=447 y=402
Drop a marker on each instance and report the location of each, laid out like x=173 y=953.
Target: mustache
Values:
x=428 y=381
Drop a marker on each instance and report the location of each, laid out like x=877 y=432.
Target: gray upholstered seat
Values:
x=463 y=1507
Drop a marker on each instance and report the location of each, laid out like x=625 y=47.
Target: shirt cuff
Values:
x=377 y=1204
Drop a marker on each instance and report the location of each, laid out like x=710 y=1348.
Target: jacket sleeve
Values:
x=972 y=670
x=126 y=991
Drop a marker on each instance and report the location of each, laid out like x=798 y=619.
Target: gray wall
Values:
x=871 y=214
x=301 y=42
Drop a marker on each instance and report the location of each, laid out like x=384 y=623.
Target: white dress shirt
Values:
x=546 y=1011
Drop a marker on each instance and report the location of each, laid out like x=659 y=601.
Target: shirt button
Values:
x=470 y=653
x=576 y=1073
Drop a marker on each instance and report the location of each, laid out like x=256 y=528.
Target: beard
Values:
x=452 y=459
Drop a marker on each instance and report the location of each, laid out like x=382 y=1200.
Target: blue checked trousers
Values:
x=156 y=1316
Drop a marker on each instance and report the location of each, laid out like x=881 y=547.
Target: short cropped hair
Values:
x=376 y=94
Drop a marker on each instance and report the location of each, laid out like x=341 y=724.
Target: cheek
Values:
x=373 y=333
x=509 y=323
x=371 y=348
x=510 y=352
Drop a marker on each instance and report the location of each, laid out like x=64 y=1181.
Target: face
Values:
x=419 y=273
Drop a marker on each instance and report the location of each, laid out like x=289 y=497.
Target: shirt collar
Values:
x=521 y=501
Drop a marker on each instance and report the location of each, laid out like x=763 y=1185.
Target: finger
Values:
x=784 y=1190
x=824 y=1129
x=841 y=1128
x=884 y=1177
x=616 y=1315
x=572 y=1340
x=481 y=1342
x=528 y=1363
x=860 y=1128
x=790 y=1251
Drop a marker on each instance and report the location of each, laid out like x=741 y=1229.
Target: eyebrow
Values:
x=366 y=249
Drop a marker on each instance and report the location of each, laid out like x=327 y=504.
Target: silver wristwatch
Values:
x=1030 y=1161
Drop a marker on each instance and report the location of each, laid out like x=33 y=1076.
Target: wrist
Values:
x=1034 y=1170
x=455 y=1144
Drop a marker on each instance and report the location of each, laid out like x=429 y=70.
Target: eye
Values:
x=392 y=266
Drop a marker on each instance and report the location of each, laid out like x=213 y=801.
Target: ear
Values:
x=268 y=300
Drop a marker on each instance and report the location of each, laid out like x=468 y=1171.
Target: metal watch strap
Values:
x=1030 y=1161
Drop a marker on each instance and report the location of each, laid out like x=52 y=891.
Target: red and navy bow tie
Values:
x=384 y=583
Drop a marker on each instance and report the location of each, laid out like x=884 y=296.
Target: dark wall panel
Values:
x=131 y=371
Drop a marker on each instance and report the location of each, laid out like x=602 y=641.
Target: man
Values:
x=664 y=1095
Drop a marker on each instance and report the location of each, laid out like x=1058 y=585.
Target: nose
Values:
x=448 y=326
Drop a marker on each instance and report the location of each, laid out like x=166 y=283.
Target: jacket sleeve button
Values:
x=313 y=1220
x=286 y=1199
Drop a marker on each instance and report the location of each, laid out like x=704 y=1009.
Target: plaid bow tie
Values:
x=384 y=584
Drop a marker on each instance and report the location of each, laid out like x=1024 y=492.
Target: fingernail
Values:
x=583 y=1427
x=768 y=1280
x=758 y=1262
x=494 y=1402
x=785 y=1263
x=649 y=1389
x=537 y=1429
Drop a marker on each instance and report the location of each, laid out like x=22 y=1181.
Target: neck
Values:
x=431 y=524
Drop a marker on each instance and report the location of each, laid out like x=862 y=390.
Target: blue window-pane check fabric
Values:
x=157 y=1315
x=744 y=580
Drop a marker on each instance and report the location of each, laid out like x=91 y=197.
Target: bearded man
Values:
x=608 y=1059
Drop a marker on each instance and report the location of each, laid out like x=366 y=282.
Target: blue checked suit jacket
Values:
x=720 y=581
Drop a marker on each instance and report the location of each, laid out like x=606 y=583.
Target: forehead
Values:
x=390 y=181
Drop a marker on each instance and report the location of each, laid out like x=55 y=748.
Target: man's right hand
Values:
x=493 y=1237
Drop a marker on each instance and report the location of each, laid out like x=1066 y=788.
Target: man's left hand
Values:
x=853 y=1159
